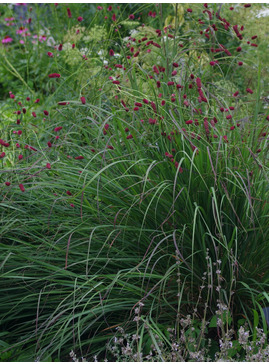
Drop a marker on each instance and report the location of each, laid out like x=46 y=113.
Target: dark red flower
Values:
x=198 y=82
x=69 y=13
x=83 y=100
x=7 y=184
x=69 y=193
x=114 y=17
x=21 y=187
x=54 y=75
x=129 y=136
x=189 y=10
x=111 y=52
x=131 y=16
x=249 y=90
x=58 y=128
x=80 y=19
x=79 y=157
x=48 y=165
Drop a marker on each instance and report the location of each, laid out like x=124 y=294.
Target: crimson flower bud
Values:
x=83 y=100
x=54 y=75
x=48 y=165
x=80 y=19
x=69 y=13
x=69 y=193
x=21 y=187
x=249 y=90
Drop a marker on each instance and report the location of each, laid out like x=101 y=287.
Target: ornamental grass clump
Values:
x=142 y=205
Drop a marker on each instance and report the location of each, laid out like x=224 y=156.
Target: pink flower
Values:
x=50 y=54
x=114 y=17
x=48 y=165
x=80 y=19
x=58 y=128
x=131 y=16
x=83 y=100
x=7 y=39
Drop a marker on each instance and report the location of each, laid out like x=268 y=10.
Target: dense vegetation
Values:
x=134 y=182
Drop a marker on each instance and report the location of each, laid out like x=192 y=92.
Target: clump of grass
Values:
x=138 y=199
